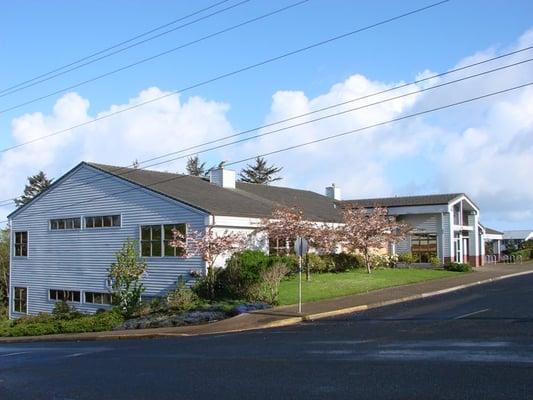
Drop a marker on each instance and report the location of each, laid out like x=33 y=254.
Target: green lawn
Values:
x=325 y=286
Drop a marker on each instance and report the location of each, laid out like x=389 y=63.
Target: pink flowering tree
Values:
x=209 y=245
x=289 y=223
x=364 y=230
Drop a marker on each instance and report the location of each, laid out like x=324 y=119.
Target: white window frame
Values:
x=66 y=229
x=13 y=289
x=84 y=298
x=162 y=226
x=84 y=221
x=65 y=290
x=15 y=244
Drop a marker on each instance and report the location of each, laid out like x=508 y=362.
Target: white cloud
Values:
x=150 y=130
x=484 y=148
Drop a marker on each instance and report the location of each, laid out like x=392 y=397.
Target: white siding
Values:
x=79 y=259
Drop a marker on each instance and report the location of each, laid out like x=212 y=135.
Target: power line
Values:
x=323 y=139
x=116 y=171
x=228 y=74
x=383 y=123
x=10 y=89
x=146 y=59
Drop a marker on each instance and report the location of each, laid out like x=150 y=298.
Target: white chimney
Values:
x=222 y=177
x=333 y=192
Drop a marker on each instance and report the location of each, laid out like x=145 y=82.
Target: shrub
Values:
x=407 y=258
x=525 y=254
x=182 y=298
x=63 y=310
x=318 y=264
x=435 y=261
x=268 y=288
x=458 y=267
x=340 y=262
x=125 y=276
x=45 y=324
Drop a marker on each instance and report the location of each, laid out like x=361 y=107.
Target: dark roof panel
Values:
x=404 y=201
x=247 y=200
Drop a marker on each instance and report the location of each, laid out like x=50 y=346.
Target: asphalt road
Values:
x=472 y=344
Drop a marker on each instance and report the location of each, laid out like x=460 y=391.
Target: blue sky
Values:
x=36 y=36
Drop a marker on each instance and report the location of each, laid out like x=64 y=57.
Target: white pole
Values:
x=300 y=284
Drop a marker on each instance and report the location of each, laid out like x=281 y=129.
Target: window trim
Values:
x=162 y=240
x=14 y=300
x=15 y=244
x=80 y=217
x=84 y=221
x=84 y=298
x=64 y=290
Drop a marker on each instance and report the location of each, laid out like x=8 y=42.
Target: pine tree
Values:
x=36 y=184
x=260 y=172
x=194 y=167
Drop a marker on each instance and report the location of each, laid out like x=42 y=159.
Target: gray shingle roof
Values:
x=491 y=231
x=425 y=200
x=247 y=200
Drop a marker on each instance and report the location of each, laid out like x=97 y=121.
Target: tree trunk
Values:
x=367 y=262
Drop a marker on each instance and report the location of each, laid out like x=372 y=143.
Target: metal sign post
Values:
x=301 y=247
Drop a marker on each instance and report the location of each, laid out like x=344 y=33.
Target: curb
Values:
x=269 y=325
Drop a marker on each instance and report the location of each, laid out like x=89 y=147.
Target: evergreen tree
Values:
x=195 y=167
x=260 y=172
x=36 y=184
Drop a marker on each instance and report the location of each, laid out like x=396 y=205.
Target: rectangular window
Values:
x=20 y=300
x=102 y=221
x=64 y=295
x=21 y=244
x=155 y=240
x=65 y=223
x=280 y=246
x=424 y=246
x=98 y=298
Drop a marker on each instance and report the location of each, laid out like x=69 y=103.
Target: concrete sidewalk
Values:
x=288 y=315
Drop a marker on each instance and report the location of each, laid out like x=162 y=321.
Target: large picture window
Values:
x=64 y=295
x=20 y=300
x=424 y=246
x=65 y=223
x=155 y=240
x=102 y=221
x=21 y=244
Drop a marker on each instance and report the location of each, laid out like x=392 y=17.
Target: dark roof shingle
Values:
x=403 y=201
x=247 y=200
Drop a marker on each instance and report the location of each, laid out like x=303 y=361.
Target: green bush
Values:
x=407 y=258
x=46 y=324
x=318 y=264
x=63 y=310
x=182 y=298
x=526 y=254
x=458 y=267
x=341 y=262
x=435 y=261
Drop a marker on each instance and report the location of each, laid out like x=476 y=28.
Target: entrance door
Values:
x=465 y=250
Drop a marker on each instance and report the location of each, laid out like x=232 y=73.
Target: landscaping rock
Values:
x=170 y=320
x=248 y=307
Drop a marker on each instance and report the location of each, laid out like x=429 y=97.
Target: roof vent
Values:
x=333 y=192
x=222 y=177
